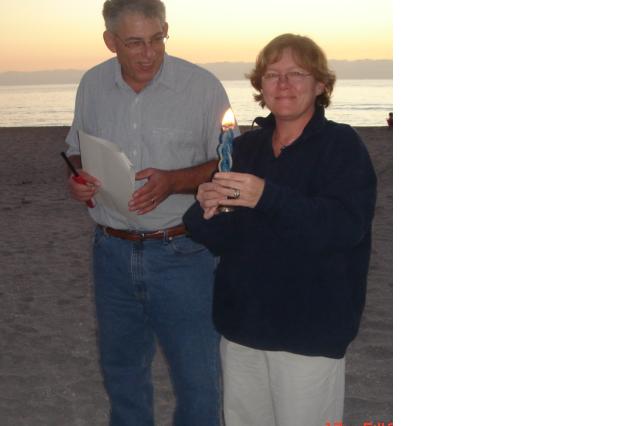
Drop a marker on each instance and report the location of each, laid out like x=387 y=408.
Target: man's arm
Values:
x=186 y=181
x=162 y=183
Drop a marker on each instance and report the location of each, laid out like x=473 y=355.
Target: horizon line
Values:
x=197 y=63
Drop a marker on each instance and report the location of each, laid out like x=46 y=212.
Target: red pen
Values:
x=76 y=177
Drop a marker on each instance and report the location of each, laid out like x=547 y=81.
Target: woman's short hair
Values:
x=113 y=9
x=306 y=53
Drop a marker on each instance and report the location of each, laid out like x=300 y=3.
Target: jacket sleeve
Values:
x=214 y=233
x=339 y=215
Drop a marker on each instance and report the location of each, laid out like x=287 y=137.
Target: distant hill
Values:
x=363 y=69
x=360 y=69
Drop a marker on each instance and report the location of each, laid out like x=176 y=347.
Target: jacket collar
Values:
x=317 y=121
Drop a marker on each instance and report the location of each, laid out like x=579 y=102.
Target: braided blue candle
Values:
x=225 y=149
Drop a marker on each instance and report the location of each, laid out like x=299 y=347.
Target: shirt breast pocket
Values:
x=175 y=148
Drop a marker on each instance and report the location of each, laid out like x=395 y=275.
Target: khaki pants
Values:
x=265 y=388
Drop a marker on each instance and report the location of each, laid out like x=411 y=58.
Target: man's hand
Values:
x=158 y=187
x=80 y=191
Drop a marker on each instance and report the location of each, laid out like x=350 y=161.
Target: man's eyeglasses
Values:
x=292 y=77
x=137 y=45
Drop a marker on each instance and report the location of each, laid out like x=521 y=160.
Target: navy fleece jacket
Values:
x=293 y=270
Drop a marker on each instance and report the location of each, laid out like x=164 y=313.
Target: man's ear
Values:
x=109 y=40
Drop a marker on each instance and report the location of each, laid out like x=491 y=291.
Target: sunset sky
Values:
x=46 y=34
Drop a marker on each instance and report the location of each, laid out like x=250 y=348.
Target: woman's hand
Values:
x=229 y=189
x=241 y=189
x=209 y=198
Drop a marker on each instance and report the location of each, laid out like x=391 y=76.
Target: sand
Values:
x=49 y=372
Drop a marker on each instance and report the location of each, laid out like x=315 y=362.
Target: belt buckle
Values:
x=160 y=234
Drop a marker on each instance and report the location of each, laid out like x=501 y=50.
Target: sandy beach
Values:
x=49 y=372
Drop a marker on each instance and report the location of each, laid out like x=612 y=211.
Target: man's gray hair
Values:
x=114 y=9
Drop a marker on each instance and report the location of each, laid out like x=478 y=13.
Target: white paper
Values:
x=106 y=161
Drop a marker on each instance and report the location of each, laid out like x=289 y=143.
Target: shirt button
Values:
x=135 y=125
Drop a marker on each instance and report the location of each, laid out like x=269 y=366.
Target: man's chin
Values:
x=145 y=71
x=146 y=68
x=144 y=76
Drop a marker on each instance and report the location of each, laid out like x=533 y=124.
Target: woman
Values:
x=291 y=283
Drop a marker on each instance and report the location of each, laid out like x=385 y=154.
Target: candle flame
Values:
x=229 y=120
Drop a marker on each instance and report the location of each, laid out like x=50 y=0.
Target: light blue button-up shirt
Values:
x=173 y=123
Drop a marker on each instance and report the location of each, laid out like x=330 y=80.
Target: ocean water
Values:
x=355 y=102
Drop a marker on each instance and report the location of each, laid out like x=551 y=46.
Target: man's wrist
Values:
x=173 y=178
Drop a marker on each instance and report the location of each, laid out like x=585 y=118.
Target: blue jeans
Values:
x=156 y=289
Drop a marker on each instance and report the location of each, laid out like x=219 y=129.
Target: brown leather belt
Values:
x=145 y=235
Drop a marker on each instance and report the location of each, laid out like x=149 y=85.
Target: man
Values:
x=151 y=280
